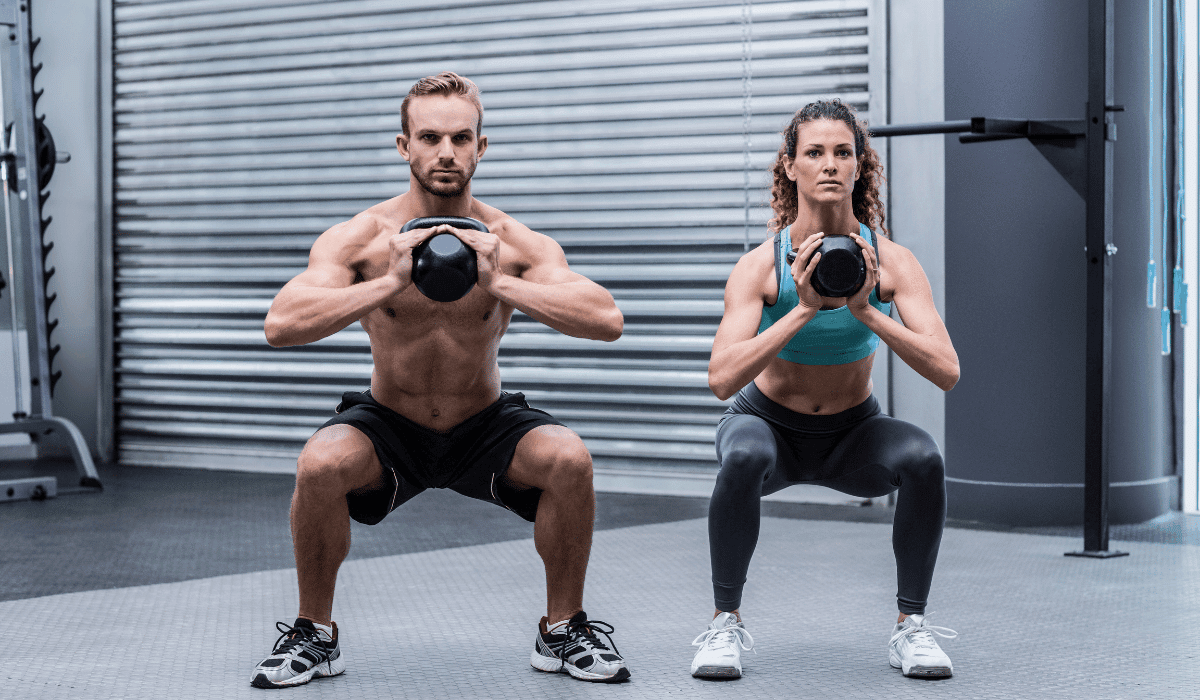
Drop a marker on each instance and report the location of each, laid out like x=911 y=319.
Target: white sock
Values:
x=327 y=630
x=557 y=624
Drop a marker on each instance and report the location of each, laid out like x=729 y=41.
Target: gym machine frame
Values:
x=1081 y=151
x=22 y=175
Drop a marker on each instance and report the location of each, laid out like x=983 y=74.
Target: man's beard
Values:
x=440 y=188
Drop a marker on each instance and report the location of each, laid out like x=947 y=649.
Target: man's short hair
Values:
x=445 y=83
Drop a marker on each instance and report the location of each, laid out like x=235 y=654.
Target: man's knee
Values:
x=340 y=458
x=554 y=459
x=570 y=465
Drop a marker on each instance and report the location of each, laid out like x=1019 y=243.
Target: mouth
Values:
x=829 y=182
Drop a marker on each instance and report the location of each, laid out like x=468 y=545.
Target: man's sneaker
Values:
x=573 y=647
x=914 y=651
x=720 y=654
x=301 y=654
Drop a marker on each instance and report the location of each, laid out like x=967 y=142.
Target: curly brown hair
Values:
x=868 y=208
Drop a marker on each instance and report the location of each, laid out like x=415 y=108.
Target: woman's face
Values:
x=825 y=167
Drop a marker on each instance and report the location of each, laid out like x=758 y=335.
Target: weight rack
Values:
x=27 y=161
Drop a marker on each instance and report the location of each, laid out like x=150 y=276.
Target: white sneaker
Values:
x=914 y=651
x=720 y=654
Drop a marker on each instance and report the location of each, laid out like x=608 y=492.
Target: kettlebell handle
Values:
x=455 y=221
x=791 y=254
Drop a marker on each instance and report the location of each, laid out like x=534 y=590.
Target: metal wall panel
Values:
x=244 y=128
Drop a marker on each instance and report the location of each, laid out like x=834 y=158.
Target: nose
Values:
x=446 y=149
x=829 y=167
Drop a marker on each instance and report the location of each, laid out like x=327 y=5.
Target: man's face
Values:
x=825 y=167
x=442 y=147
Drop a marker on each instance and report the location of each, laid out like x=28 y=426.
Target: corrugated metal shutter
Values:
x=244 y=128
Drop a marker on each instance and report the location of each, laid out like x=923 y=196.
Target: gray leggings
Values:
x=764 y=447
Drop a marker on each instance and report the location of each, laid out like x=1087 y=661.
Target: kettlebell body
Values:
x=444 y=268
x=841 y=270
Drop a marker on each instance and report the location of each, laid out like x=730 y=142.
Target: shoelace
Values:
x=296 y=636
x=726 y=636
x=921 y=636
x=584 y=632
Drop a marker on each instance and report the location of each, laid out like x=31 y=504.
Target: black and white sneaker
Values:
x=301 y=654
x=573 y=647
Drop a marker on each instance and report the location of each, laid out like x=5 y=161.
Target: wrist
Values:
x=500 y=285
x=802 y=313
x=389 y=285
x=861 y=311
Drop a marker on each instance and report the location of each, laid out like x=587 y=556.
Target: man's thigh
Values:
x=541 y=450
x=372 y=489
x=343 y=452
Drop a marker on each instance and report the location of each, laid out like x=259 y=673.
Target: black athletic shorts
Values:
x=471 y=458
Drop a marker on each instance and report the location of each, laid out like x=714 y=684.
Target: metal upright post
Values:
x=1081 y=151
x=1098 y=365
x=28 y=190
x=24 y=224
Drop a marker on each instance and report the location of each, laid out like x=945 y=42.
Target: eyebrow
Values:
x=469 y=132
x=821 y=145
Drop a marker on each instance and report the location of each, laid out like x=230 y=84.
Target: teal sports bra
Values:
x=833 y=336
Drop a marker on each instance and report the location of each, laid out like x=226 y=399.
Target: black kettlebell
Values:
x=444 y=268
x=841 y=270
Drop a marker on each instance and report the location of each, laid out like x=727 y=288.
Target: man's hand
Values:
x=400 y=261
x=487 y=252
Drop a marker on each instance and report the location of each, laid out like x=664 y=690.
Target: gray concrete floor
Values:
x=449 y=616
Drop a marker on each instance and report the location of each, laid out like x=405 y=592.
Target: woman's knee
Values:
x=922 y=460
x=746 y=463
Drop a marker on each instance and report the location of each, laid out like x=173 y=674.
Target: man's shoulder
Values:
x=363 y=227
x=511 y=231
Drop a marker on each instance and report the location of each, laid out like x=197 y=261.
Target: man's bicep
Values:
x=329 y=274
x=327 y=261
x=546 y=263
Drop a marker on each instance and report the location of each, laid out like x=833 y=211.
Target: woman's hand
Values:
x=862 y=298
x=802 y=273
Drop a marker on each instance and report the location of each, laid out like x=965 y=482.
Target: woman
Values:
x=801 y=363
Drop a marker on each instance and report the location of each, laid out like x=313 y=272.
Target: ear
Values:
x=402 y=145
x=789 y=167
x=483 y=144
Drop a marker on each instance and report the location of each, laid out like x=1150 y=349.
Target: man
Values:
x=434 y=416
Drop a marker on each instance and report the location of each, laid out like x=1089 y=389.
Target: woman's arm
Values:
x=739 y=352
x=922 y=341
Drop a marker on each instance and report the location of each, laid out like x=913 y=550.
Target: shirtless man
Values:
x=435 y=416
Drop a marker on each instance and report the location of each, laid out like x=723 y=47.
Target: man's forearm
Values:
x=579 y=308
x=301 y=314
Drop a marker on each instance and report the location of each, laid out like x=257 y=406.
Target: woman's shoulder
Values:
x=754 y=271
x=900 y=268
x=760 y=257
x=893 y=253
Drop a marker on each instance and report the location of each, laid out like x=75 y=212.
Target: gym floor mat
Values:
x=458 y=623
